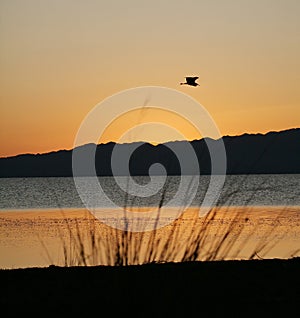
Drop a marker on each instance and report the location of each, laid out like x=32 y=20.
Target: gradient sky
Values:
x=59 y=58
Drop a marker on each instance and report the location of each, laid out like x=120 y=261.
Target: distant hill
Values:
x=271 y=153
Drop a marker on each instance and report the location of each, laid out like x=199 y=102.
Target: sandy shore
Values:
x=36 y=238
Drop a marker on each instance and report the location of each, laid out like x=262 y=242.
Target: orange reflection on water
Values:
x=44 y=237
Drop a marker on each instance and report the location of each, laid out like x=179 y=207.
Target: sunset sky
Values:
x=60 y=58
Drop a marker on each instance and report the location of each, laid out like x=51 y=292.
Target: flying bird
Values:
x=191 y=81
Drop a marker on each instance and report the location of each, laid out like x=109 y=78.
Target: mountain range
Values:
x=270 y=153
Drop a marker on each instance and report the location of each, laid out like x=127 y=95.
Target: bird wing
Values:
x=191 y=79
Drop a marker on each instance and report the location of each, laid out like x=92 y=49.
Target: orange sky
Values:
x=61 y=58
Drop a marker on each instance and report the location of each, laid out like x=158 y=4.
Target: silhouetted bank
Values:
x=255 y=288
x=271 y=153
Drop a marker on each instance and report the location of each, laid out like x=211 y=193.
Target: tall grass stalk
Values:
x=225 y=232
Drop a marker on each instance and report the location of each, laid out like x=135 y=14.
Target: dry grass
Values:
x=225 y=232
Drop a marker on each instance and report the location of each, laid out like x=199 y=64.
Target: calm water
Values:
x=37 y=193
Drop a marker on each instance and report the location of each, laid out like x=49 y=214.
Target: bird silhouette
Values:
x=191 y=81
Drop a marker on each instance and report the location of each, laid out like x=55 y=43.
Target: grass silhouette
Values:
x=225 y=232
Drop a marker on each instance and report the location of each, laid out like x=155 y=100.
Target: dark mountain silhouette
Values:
x=271 y=153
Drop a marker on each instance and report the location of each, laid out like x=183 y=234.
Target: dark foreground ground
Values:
x=256 y=288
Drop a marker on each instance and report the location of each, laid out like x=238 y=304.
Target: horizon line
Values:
x=151 y=143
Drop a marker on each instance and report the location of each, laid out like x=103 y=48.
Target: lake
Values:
x=238 y=190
